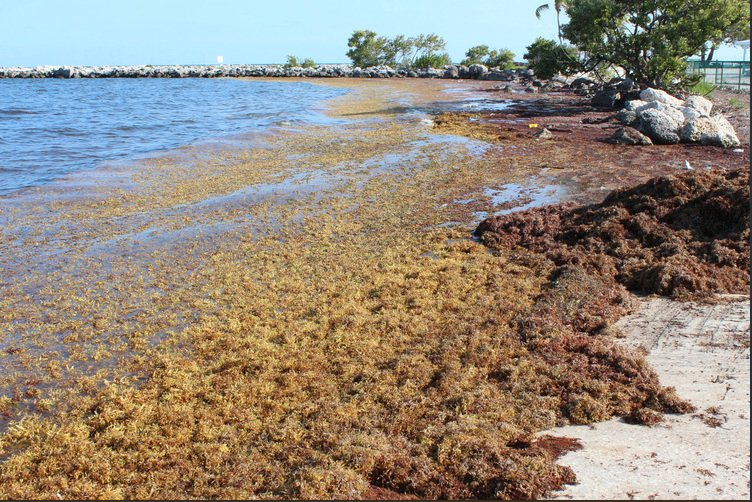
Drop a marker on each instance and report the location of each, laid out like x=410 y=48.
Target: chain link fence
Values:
x=724 y=74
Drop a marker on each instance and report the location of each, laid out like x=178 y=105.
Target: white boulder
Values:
x=694 y=130
x=701 y=104
x=674 y=112
x=691 y=113
x=660 y=96
x=725 y=135
x=634 y=105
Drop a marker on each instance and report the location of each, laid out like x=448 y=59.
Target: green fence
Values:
x=725 y=74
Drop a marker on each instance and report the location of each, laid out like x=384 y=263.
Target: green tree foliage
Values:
x=432 y=61
x=428 y=46
x=650 y=39
x=482 y=54
x=547 y=58
x=399 y=51
x=476 y=55
x=367 y=48
x=503 y=58
x=293 y=62
x=734 y=33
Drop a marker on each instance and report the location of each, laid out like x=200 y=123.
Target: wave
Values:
x=17 y=111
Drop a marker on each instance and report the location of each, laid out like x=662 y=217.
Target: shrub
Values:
x=432 y=61
x=481 y=54
x=293 y=62
x=547 y=58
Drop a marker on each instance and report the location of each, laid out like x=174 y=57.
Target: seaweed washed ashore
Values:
x=294 y=321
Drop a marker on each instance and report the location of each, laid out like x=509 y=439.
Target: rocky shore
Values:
x=217 y=71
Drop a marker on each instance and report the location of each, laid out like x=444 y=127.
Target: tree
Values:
x=734 y=33
x=476 y=55
x=503 y=58
x=547 y=58
x=367 y=48
x=650 y=39
x=559 y=6
x=426 y=46
x=482 y=54
x=399 y=51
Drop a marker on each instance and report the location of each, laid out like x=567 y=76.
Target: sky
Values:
x=123 y=32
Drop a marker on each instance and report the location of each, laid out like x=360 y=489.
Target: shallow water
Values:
x=49 y=128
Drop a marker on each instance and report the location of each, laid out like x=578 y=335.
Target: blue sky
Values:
x=119 y=32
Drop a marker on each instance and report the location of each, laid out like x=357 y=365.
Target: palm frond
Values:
x=540 y=10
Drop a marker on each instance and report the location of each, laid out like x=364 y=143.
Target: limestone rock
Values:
x=629 y=136
x=476 y=70
x=660 y=126
x=452 y=72
x=695 y=129
x=627 y=117
x=606 y=98
x=674 y=112
x=702 y=105
x=661 y=97
x=690 y=113
x=634 y=105
x=724 y=135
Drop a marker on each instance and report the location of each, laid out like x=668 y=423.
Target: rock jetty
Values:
x=218 y=71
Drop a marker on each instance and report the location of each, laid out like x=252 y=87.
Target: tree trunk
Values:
x=711 y=53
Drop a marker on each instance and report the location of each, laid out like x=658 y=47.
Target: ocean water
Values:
x=49 y=127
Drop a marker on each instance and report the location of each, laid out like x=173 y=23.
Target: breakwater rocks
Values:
x=218 y=71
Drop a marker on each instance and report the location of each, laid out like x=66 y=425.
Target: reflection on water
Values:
x=51 y=127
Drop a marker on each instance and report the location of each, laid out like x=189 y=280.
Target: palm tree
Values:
x=559 y=5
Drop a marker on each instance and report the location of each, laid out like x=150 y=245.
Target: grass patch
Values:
x=738 y=103
x=703 y=88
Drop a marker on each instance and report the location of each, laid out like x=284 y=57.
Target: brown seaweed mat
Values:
x=685 y=236
x=354 y=359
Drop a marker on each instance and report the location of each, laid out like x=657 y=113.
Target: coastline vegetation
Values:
x=649 y=41
x=482 y=54
x=293 y=62
x=367 y=49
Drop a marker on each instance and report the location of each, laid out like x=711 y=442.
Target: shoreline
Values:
x=703 y=351
x=302 y=283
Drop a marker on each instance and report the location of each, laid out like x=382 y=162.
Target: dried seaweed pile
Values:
x=685 y=236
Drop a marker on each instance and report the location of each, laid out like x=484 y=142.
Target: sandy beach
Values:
x=703 y=351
